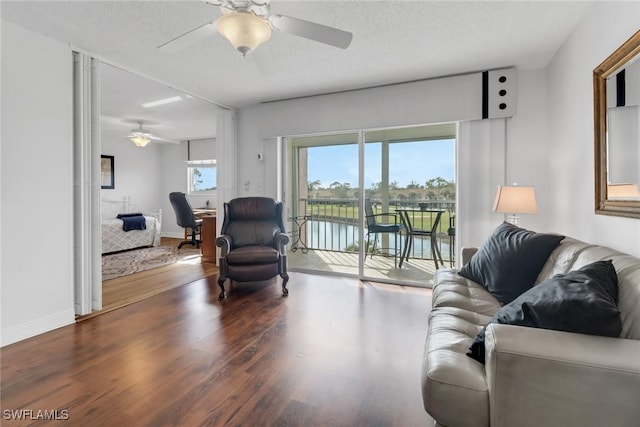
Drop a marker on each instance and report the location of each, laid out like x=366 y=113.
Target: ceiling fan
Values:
x=248 y=23
x=141 y=137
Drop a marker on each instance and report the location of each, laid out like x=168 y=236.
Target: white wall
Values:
x=37 y=185
x=526 y=152
x=173 y=177
x=410 y=104
x=147 y=175
x=570 y=122
x=137 y=173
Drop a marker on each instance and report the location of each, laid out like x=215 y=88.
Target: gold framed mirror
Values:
x=616 y=106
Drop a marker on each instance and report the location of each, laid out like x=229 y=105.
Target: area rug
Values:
x=137 y=260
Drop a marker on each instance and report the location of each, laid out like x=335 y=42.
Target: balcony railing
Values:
x=332 y=225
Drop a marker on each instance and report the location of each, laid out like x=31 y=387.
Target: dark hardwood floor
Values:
x=117 y=293
x=336 y=352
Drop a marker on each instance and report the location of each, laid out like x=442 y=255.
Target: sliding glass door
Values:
x=323 y=210
x=409 y=184
x=356 y=197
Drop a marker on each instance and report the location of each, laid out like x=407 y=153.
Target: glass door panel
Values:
x=409 y=180
x=323 y=211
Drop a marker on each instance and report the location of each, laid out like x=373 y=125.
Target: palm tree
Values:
x=313 y=185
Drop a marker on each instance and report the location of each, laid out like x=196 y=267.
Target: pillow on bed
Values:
x=509 y=262
x=582 y=301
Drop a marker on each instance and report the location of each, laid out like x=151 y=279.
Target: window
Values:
x=201 y=176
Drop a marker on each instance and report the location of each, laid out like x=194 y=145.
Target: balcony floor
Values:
x=415 y=272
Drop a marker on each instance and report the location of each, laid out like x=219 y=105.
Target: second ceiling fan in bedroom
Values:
x=248 y=23
x=141 y=137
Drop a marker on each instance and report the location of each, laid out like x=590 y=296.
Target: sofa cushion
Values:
x=454 y=387
x=453 y=290
x=509 y=262
x=582 y=301
x=253 y=254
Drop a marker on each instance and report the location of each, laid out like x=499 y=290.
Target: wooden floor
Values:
x=336 y=352
x=128 y=289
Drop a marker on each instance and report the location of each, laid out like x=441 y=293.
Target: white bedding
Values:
x=114 y=238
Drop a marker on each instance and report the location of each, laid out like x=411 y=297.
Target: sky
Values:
x=408 y=161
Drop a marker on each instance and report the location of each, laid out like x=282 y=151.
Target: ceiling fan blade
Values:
x=158 y=138
x=311 y=30
x=189 y=38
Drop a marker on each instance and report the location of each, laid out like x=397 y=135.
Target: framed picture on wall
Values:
x=107 y=172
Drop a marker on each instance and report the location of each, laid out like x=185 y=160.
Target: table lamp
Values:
x=515 y=200
x=622 y=191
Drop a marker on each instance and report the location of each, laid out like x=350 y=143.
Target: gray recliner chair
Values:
x=252 y=242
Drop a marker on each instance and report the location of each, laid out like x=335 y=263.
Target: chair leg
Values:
x=366 y=246
x=285 y=279
x=451 y=250
x=221 y=281
x=435 y=252
x=405 y=251
x=375 y=244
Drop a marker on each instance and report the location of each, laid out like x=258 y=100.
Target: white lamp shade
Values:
x=140 y=140
x=244 y=30
x=515 y=200
x=622 y=191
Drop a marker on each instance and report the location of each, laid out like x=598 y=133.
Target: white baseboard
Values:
x=35 y=327
x=174 y=235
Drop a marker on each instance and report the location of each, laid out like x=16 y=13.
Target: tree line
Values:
x=433 y=189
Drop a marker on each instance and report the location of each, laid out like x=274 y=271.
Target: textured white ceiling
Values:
x=393 y=41
x=123 y=93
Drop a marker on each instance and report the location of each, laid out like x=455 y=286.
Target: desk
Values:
x=208 y=238
x=199 y=213
x=411 y=231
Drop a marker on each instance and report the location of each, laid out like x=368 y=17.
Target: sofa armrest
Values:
x=539 y=377
x=467 y=253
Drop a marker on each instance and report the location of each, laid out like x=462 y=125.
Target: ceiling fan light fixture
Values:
x=140 y=140
x=244 y=30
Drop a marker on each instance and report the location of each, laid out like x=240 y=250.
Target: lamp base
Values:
x=513 y=219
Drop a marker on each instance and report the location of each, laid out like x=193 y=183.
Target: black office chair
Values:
x=185 y=217
x=375 y=228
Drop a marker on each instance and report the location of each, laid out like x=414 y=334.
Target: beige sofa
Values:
x=532 y=377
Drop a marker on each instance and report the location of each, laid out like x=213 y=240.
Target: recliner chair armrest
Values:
x=224 y=241
x=540 y=377
x=281 y=241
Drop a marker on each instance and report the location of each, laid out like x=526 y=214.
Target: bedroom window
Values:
x=201 y=176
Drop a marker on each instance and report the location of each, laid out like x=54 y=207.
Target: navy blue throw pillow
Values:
x=509 y=262
x=582 y=301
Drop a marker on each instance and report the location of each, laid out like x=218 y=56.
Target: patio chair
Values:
x=375 y=228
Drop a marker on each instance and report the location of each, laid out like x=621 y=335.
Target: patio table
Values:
x=411 y=231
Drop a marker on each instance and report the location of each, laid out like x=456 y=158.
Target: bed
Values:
x=115 y=239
